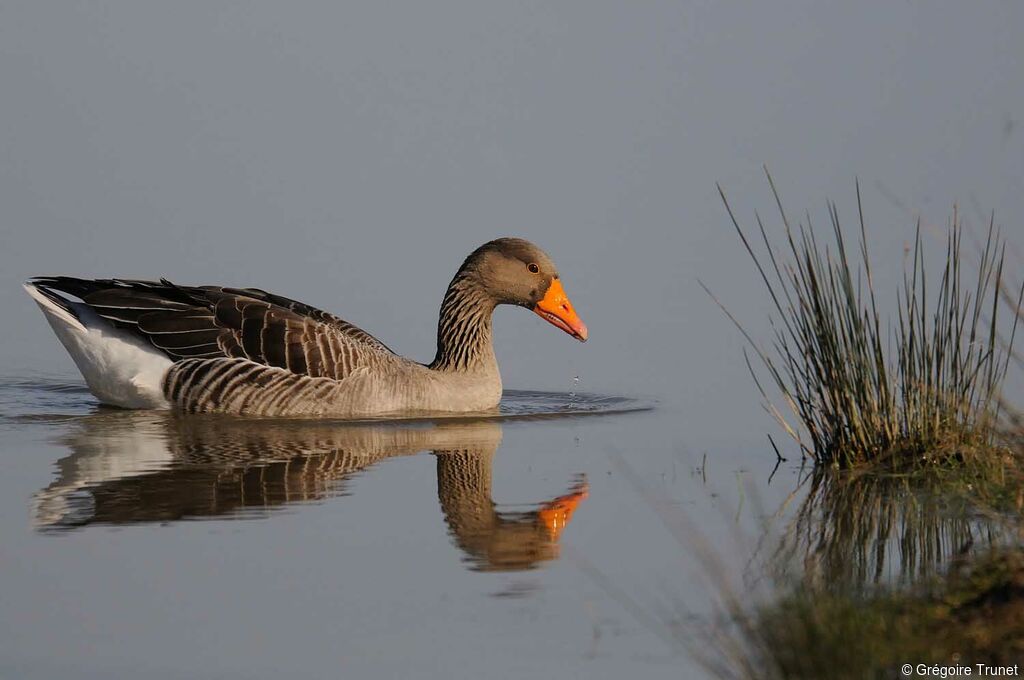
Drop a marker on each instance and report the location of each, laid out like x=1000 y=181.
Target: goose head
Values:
x=513 y=271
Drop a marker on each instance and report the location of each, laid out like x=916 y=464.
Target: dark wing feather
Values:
x=209 y=321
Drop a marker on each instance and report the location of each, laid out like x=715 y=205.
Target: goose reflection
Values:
x=137 y=467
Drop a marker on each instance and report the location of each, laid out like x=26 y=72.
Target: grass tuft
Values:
x=926 y=389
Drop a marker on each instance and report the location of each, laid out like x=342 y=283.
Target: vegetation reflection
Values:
x=874 y=571
x=856 y=530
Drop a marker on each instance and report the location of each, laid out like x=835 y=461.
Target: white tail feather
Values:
x=120 y=369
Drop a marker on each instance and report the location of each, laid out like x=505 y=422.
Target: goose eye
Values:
x=533 y=267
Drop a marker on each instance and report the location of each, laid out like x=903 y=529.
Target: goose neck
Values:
x=464 y=339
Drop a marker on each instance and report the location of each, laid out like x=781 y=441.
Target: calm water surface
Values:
x=559 y=539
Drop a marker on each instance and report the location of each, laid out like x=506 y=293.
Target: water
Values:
x=557 y=538
x=141 y=542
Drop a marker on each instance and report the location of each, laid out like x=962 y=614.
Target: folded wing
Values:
x=209 y=322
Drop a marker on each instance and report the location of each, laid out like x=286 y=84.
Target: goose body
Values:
x=214 y=349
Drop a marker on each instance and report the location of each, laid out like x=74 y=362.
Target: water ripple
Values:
x=26 y=399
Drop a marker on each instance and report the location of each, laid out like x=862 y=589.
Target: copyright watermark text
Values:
x=978 y=670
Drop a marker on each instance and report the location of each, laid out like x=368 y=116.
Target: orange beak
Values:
x=555 y=514
x=556 y=309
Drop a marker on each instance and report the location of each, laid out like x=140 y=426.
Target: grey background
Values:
x=351 y=154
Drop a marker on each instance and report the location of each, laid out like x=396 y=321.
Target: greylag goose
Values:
x=212 y=349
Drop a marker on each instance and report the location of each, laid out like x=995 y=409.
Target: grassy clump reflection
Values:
x=927 y=389
x=855 y=529
x=875 y=571
x=973 y=614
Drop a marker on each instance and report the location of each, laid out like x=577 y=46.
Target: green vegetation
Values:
x=907 y=544
x=926 y=390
